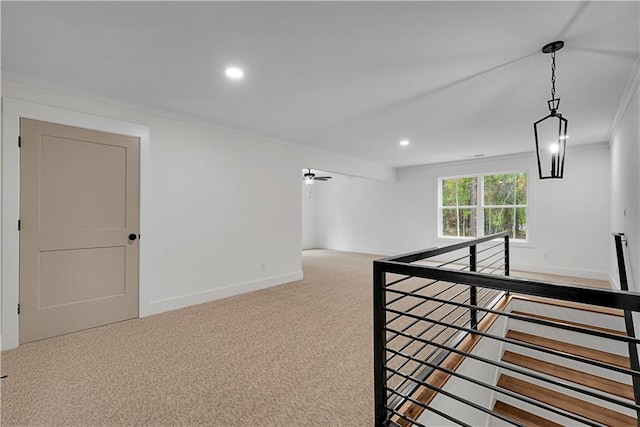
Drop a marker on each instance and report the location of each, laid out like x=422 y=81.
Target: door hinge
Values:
x=18 y=308
x=19 y=225
x=19 y=141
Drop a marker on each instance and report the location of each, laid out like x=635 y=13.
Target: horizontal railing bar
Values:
x=479 y=251
x=482 y=299
x=415 y=321
x=502 y=391
x=395 y=282
x=431 y=252
x=454 y=337
x=424 y=302
x=498 y=364
x=498 y=295
x=411 y=420
x=498 y=390
x=411 y=256
x=425 y=330
x=451 y=396
x=427 y=343
x=520 y=371
x=458 y=338
x=497 y=268
x=413 y=292
x=419 y=288
x=480 y=261
x=549 y=323
x=586 y=295
x=452 y=261
x=531 y=346
x=430 y=312
x=491 y=265
x=425 y=372
x=437 y=335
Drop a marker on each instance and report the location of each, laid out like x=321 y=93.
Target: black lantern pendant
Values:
x=551 y=131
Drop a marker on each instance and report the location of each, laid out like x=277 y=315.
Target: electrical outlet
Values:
x=546 y=255
x=263 y=266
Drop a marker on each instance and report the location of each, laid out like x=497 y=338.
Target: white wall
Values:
x=569 y=218
x=309 y=217
x=221 y=209
x=625 y=191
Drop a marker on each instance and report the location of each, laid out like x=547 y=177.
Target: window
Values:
x=475 y=206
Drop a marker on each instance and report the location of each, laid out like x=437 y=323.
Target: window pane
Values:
x=521 y=223
x=521 y=189
x=500 y=189
x=460 y=191
x=459 y=222
x=449 y=221
x=513 y=220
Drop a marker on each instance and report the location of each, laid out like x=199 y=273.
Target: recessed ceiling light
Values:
x=234 y=73
x=404 y=142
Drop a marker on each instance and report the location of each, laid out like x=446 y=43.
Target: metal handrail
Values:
x=404 y=265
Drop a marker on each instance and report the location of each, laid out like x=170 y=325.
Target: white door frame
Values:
x=12 y=110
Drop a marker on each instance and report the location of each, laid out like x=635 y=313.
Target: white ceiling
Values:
x=455 y=78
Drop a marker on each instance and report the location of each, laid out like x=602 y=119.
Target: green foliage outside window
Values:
x=460 y=196
x=505 y=200
x=503 y=205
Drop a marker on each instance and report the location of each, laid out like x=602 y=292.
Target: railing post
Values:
x=628 y=320
x=506 y=255
x=379 y=342
x=473 y=297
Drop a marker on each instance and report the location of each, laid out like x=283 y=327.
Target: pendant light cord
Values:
x=553 y=75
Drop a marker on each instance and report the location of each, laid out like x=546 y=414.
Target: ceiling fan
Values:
x=309 y=177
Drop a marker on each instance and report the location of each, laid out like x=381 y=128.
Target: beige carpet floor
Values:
x=293 y=355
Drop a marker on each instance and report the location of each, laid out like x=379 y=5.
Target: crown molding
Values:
x=384 y=172
x=66 y=89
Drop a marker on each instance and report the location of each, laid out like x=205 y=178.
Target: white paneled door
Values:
x=78 y=229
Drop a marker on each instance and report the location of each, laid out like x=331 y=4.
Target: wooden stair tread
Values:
x=570 y=404
x=569 y=322
x=576 y=350
x=522 y=416
x=573 y=375
x=568 y=304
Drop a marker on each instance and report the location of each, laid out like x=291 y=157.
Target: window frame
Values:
x=481 y=205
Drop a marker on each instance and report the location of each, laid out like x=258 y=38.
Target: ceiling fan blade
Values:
x=322 y=178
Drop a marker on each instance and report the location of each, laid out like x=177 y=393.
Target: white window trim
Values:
x=480 y=214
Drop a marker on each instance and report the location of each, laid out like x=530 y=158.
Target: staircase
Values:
x=544 y=361
x=569 y=360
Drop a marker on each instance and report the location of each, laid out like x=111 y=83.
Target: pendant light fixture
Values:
x=551 y=131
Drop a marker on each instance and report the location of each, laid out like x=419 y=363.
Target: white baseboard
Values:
x=359 y=250
x=168 y=304
x=562 y=271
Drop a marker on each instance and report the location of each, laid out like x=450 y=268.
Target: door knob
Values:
x=132 y=236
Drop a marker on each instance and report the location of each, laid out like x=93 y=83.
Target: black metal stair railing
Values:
x=628 y=315
x=419 y=323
